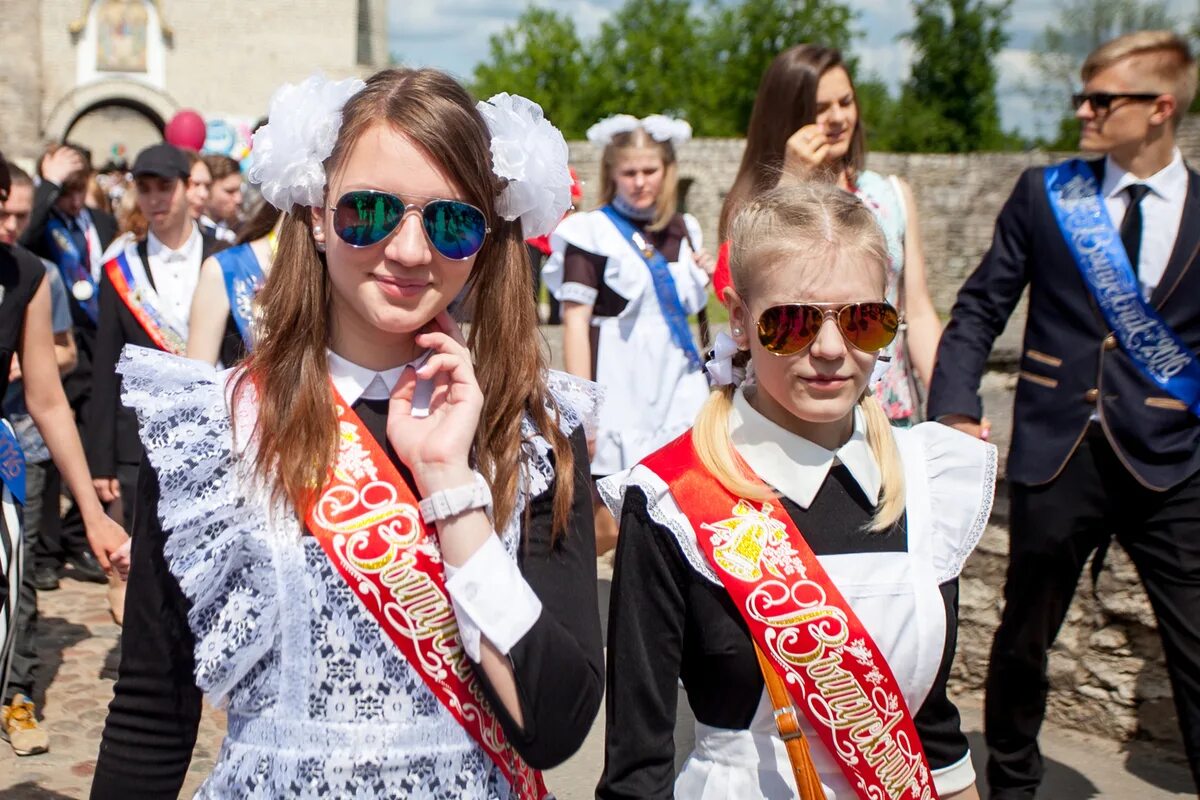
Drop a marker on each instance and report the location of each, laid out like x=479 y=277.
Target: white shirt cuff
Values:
x=491 y=598
x=955 y=777
x=577 y=293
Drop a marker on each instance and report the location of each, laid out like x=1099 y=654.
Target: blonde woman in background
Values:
x=628 y=275
x=792 y=549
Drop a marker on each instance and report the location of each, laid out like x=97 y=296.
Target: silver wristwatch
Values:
x=452 y=502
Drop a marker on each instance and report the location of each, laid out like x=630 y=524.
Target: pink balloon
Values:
x=186 y=129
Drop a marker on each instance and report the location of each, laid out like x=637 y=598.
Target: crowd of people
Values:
x=365 y=515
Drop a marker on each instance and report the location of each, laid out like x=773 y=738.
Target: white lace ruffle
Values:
x=214 y=545
x=663 y=510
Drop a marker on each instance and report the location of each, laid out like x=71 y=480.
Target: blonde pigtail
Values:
x=891 y=470
x=714 y=447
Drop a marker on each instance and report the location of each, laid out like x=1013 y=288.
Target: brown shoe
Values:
x=18 y=725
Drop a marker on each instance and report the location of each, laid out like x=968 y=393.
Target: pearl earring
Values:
x=317 y=230
x=737 y=331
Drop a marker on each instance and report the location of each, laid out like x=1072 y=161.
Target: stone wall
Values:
x=1107 y=674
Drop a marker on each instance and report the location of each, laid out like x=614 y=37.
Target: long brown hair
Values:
x=786 y=102
x=668 y=199
x=296 y=429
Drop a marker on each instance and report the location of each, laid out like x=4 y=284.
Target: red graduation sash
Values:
x=140 y=300
x=367 y=522
x=831 y=666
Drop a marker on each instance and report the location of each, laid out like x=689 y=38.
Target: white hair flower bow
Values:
x=302 y=128
x=531 y=155
x=660 y=127
x=721 y=367
x=305 y=118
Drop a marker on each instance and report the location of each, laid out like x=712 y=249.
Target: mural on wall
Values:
x=122 y=31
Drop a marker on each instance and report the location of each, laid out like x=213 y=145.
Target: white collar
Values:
x=1169 y=183
x=354 y=382
x=188 y=253
x=792 y=464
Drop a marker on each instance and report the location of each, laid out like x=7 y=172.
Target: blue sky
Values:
x=426 y=33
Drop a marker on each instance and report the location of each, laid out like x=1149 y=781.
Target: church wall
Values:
x=225 y=60
x=21 y=22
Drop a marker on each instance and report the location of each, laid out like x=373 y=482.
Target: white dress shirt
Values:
x=1162 y=213
x=175 y=273
x=794 y=465
x=489 y=594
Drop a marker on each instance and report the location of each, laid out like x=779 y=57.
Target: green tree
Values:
x=741 y=40
x=949 y=102
x=648 y=58
x=541 y=57
x=1081 y=26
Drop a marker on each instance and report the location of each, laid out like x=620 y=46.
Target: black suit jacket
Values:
x=1071 y=365
x=78 y=383
x=111 y=431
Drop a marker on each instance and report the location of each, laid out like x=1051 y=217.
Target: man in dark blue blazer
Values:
x=1098 y=448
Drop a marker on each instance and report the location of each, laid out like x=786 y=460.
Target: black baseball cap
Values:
x=164 y=160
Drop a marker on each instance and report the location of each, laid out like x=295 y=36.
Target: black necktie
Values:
x=1131 y=225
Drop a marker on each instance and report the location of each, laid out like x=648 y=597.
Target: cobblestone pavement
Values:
x=79 y=649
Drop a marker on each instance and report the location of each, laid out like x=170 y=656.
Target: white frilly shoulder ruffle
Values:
x=948 y=473
x=624 y=272
x=216 y=547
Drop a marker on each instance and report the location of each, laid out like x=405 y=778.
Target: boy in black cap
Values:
x=145 y=295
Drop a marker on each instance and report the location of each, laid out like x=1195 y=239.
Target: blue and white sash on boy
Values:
x=664 y=286
x=243 y=278
x=1095 y=245
x=12 y=463
x=129 y=278
x=75 y=273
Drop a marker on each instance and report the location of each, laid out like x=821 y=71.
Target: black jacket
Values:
x=111 y=430
x=78 y=383
x=1071 y=365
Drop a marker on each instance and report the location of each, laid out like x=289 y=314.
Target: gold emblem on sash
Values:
x=751 y=541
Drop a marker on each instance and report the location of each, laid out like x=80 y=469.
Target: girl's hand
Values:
x=107 y=538
x=806 y=151
x=437 y=447
x=705 y=262
x=121 y=560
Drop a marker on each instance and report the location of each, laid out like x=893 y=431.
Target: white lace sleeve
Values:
x=578 y=401
x=962 y=484
x=215 y=543
x=663 y=510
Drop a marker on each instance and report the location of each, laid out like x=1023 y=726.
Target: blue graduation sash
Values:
x=664 y=287
x=1095 y=245
x=243 y=278
x=12 y=462
x=72 y=268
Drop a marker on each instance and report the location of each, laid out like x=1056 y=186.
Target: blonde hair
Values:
x=668 y=199
x=1167 y=58
x=816 y=225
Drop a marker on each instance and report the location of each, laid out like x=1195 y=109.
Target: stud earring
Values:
x=737 y=331
x=318 y=238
